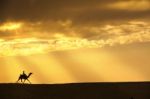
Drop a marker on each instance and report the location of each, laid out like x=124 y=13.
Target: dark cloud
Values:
x=75 y=18
x=80 y=11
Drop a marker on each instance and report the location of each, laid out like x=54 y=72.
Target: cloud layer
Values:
x=107 y=35
x=39 y=26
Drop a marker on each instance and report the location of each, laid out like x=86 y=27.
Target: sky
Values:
x=64 y=41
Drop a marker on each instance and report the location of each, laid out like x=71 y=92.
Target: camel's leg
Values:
x=18 y=79
x=21 y=79
x=28 y=81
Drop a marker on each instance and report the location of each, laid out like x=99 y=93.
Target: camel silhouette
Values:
x=24 y=77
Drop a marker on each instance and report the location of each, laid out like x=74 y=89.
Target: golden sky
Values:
x=75 y=40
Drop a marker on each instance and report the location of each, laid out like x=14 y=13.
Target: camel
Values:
x=24 y=77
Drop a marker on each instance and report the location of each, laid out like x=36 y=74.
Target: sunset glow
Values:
x=75 y=41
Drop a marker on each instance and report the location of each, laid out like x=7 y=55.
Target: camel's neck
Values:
x=29 y=75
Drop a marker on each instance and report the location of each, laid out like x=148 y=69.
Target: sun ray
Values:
x=46 y=69
x=13 y=69
x=106 y=65
x=30 y=66
x=4 y=73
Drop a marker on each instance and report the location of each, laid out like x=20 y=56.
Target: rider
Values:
x=24 y=73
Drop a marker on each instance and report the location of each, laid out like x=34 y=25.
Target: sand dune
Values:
x=137 y=90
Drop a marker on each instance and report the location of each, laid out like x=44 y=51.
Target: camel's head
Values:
x=30 y=73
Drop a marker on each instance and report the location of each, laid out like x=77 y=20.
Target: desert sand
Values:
x=128 y=90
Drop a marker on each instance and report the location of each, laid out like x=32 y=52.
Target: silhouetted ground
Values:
x=137 y=90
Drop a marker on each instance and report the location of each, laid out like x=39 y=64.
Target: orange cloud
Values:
x=10 y=26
